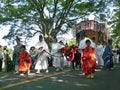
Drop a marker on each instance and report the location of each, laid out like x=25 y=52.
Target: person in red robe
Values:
x=24 y=61
x=89 y=60
x=69 y=52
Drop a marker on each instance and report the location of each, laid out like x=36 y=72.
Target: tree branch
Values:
x=55 y=8
x=64 y=13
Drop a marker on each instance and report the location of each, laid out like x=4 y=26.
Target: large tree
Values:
x=48 y=17
x=116 y=24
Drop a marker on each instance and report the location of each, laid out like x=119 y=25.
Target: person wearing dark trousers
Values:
x=0 y=65
x=76 y=60
x=118 y=53
x=1 y=58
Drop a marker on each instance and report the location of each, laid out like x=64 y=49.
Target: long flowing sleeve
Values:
x=24 y=61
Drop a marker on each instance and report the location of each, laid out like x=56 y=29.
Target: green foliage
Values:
x=116 y=33
x=48 y=17
x=72 y=42
x=116 y=24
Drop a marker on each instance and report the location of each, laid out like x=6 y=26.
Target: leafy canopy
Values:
x=48 y=17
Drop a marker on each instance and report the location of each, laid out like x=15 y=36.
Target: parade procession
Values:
x=90 y=51
x=59 y=44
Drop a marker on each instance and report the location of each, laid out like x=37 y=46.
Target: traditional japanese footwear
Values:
x=16 y=72
x=88 y=76
x=57 y=69
x=38 y=72
x=61 y=69
x=28 y=72
x=21 y=74
x=47 y=71
x=92 y=75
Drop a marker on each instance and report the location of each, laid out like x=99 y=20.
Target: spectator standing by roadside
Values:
x=1 y=58
x=6 y=57
x=118 y=55
x=17 y=49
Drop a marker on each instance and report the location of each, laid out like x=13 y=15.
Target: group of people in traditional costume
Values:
x=24 y=61
x=87 y=55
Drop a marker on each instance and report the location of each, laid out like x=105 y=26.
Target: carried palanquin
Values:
x=92 y=28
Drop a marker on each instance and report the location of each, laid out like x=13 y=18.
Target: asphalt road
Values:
x=63 y=80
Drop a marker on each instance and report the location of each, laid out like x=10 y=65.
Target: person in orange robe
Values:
x=89 y=60
x=24 y=61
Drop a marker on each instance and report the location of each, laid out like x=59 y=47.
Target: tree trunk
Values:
x=49 y=40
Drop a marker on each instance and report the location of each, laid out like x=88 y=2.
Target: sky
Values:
x=3 y=31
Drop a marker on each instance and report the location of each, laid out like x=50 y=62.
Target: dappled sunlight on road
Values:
x=60 y=80
x=67 y=79
x=68 y=75
x=7 y=78
x=57 y=80
x=98 y=70
x=81 y=85
x=53 y=78
x=39 y=87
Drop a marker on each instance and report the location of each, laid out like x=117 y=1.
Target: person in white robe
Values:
x=116 y=55
x=42 y=60
x=58 y=59
x=95 y=48
x=100 y=50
